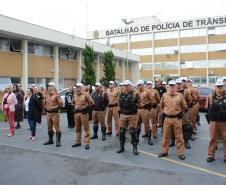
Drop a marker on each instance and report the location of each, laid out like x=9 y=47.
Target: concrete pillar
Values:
x=25 y=65
x=98 y=69
x=56 y=66
x=79 y=70
x=123 y=70
x=135 y=72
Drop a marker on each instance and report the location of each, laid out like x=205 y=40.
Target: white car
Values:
x=62 y=95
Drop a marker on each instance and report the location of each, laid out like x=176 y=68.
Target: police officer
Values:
x=217 y=116
x=143 y=114
x=187 y=129
x=69 y=106
x=100 y=99
x=82 y=101
x=172 y=105
x=128 y=102
x=53 y=102
x=194 y=104
x=187 y=126
x=154 y=109
x=112 y=110
x=158 y=86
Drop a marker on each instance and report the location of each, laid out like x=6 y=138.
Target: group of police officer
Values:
x=173 y=106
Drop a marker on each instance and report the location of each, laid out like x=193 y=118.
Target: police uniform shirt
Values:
x=172 y=104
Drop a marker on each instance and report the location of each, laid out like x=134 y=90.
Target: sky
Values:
x=75 y=17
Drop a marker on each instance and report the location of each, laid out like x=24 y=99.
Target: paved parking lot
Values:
x=25 y=162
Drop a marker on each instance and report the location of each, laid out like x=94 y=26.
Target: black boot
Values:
x=172 y=142
x=50 y=141
x=149 y=138
x=58 y=136
x=134 y=140
x=103 y=129
x=122 y=138
x=17 y=125
x=138 y=135
x=95 y=130
x=187 y=144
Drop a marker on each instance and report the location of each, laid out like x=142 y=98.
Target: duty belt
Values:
x=55 y=110
x=128 y=113
x=113 y=105
x=83 y=111
x=179 y=116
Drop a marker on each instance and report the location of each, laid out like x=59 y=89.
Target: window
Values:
x=166 y=50
x=146 y=66
x=193 y=33
x=194 y=64
x=143 y=51
x=4 y=44
x=166 y=35
x=220 y=30
x=68 y=53
x=217 y=63
x=15 y=80
x=167 y=65
x=15 y=45
x=217 y=47
x=193 y=48
x=31 y=80
x=40 y=50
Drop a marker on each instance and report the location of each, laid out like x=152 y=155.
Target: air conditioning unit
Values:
x=211 y=72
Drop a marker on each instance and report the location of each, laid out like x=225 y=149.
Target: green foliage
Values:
x=109 y=68
x=89 y=76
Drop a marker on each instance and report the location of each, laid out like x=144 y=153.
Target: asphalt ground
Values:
x=26 y=162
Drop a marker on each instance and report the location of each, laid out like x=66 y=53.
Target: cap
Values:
x=111 y=82
x=140 y=82
x=184 y=79
x=178 y=81
x=32 y=85
x=97 y=84
x=79 y=85
x=51 y=84
x=149 y=82
x=164 y=83
x=224 y=78
x=219 y=83
x=121 y=84
x=189 y=80
x=172 y=82
x=127 y=82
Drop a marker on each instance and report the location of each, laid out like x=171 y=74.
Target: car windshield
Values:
x=204 y=91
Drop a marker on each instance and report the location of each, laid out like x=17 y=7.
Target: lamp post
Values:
x=128 y=42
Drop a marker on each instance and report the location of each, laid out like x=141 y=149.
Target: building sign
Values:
x=164 y=26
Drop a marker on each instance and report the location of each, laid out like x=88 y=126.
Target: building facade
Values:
x=187 y=48
x=31 y=54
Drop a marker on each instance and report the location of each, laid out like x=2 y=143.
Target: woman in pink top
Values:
x=9 y=102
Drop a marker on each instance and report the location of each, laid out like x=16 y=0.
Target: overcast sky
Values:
x=70 y=16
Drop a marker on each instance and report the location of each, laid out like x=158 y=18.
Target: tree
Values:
x=89 y=76
x=109 y=68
